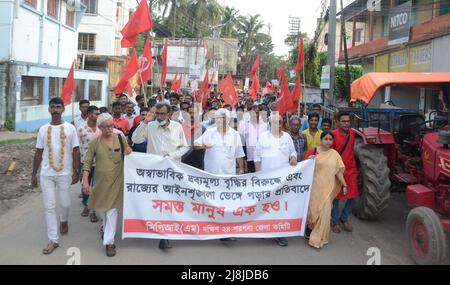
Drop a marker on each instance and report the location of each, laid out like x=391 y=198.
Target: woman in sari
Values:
x=327 y=182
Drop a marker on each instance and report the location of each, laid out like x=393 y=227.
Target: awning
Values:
x=367 y=86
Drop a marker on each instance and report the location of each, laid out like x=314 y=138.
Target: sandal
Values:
x=347 y=226
x=110 y=250
x=336 y=229
x=85 y=212
x=93 y=217
x=50 y=248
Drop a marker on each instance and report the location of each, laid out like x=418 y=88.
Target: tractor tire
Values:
x=373 y=181
x=427 y=240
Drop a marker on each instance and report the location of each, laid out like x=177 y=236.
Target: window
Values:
x=52 y=8
x=86 y=42
x=444 y=8
x=385 y=26
x=95 y=90
x=79 y=93
x=55 y=86
x=31 y=3
x=91 y=6
x=358 y=35
x=32 y=89
x=70 y=18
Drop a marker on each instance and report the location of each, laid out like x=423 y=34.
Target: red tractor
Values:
x=404 y=134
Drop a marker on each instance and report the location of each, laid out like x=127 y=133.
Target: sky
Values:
x=277 y=13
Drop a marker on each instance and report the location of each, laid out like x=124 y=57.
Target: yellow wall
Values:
x=413 y=59
x=420 y=58
x=382 y=63
x=398 y=61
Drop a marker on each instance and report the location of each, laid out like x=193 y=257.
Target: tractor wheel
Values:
x=426 y=237
x=373 y=181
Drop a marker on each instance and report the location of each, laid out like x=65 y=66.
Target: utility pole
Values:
x=344 y=39
x=332 y=48
x=294 y=29
x=174 y=21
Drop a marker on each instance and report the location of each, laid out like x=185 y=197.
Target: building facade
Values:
x=188 y=56
x=99 y=31
x=39 y=45
x=423 y=46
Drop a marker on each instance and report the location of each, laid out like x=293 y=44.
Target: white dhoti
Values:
x=50 y=185
x=110 y=219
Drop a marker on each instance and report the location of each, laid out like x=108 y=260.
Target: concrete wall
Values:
x=182 y=54
x=6 y=16
x=226 y=50
x=107 y=24
x=35 y=37
x=441 y=60
x=30 y=118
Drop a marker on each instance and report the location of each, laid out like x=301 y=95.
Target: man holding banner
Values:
x=223 y=147
x=274 y=150
x=164 y=137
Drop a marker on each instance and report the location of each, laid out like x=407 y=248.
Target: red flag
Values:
x=69 y=87
x=280 y=73
x=213 y=76
x=255 y=66
x=176 y=85
x=140 y=21
x=228 y=90
x=129 y=71
x=296 y=93
x=300 y=57
x=130 y=90
x=164 y=64
x=255 y=87
x=285 y=103
x=269 y=87
x=203 y=92
x=174 y=80
x=145 y=63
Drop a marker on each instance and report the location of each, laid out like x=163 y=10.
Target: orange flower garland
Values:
x=50 y=151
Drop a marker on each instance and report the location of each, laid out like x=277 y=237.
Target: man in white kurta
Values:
x=164 y=137
x=58 y=157
x=223 y=146
x=275 y=149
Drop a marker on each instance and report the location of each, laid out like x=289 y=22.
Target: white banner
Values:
x=165 y=199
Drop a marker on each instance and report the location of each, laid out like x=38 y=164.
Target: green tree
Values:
x=250 y=38
x=229 y=20
x=205 y=14
x=340 y=87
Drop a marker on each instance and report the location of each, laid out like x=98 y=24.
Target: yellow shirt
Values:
x=312 y=141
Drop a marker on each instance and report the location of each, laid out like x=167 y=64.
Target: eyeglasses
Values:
x=160 y=114
x=108 y=127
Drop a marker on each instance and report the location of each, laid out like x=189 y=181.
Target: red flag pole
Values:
x=71 y=97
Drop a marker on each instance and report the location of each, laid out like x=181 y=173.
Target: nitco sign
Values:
x=399 y=19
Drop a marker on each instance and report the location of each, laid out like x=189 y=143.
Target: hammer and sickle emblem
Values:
x=144 y=64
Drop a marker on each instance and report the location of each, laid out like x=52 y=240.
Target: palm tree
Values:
x=172 y=12
x=204 y=14
x=250 y=38
x=229 y=20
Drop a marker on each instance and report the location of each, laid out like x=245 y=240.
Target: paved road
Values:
x=23 y=235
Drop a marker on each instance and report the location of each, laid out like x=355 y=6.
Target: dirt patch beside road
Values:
x=14 y=188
